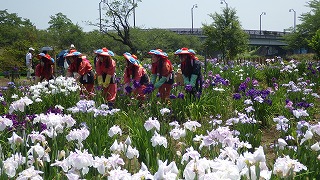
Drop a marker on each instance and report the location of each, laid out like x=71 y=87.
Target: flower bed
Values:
x=49 y=132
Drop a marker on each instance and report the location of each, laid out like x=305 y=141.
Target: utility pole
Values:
x=263 y=13
x=194 y=6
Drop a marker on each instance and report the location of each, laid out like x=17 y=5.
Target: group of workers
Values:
x=135 y=78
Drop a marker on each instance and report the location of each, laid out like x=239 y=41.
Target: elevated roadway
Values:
x=257 y=38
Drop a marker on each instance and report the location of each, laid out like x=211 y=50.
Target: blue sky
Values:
x=165 y=13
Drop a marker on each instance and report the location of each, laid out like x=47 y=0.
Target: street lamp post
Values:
x=294 y=19
x=263 y=13
x=194 y=6
x=134 y=16
x=100 y=13
x=224 y=1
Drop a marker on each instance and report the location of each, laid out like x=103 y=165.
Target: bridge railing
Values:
x=252 y=33
x=265 y=34
x=255 y=60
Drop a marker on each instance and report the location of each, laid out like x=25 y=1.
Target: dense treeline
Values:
x=18 y=34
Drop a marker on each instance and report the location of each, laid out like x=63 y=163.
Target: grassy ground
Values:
x=22 y=80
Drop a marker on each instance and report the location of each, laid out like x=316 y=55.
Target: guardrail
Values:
x=253 y=33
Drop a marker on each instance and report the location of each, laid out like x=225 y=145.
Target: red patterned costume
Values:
x=105 y=68
x=81 y=70
x=136 y=74
x=44 y=70
x=162 y=69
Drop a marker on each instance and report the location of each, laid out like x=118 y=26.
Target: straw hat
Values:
x=185 y=51
x=73 y=53
x=104 y=52
x=47 y=56
x=158 y=52
x=131 y=58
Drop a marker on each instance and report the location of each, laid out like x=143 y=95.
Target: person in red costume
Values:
x=163 y=71
x=191 y=70
x=134 y=73
x=106 y=76
x=44 y=70
x=81 y=70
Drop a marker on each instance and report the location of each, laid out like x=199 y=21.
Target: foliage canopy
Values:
x=225 y=34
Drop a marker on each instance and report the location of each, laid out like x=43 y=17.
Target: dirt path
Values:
x=4 y=81
x=269 y=137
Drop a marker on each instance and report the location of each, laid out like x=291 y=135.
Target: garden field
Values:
x=250 y=121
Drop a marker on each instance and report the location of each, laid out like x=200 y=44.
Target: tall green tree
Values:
x=17 y=34
x=225 y=34
x=314 y=43
x=14 y=28
x=64 y=32
x=310 y=20
x=95 y=40
x=310 y=23
x=117 y=23
x=164 y=39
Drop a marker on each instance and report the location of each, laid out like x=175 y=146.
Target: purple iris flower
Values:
x=118 y=80
x=128 y=89
x=225 y=68
x=264 y=93
x=252 y=93
x=309 y=66
x=218 y=79
x=205 y=85
x=15 y=122
x=188 y=88
x=84 y=125
x=98 y=88
x=31 y=116
x=303 y=104
x=43 y=126
x=198 y=94
x=148 y=89
x=16 y=69
x=174 y=85
x=236 y=96
x=136 y=84
x=287 y=101
x=54 y=111
x=11 y=84
x=172 y=96
x=247 y=79
x=268 y=101
x=255 y=82
x=243 y=86
x=181 y=95
x=6 y=73
x=226 y=82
